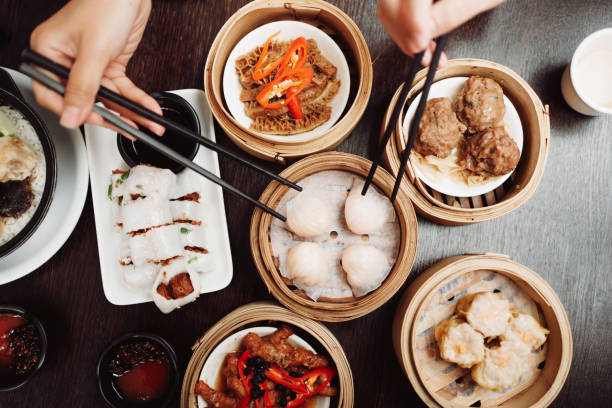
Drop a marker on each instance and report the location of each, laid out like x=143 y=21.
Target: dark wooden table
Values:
x=564 y=232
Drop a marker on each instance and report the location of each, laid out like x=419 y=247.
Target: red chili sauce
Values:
x=7 y=355
x=141 y=371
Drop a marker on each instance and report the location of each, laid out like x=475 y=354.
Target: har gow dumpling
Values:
x=366 y=268
x=307 y=264
x=365 y=214
x=308 y=216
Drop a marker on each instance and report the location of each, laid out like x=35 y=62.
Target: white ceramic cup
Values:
x=570 y=84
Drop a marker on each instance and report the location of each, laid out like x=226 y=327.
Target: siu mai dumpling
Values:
x=501 y=368
x=525 y=332
x=366 y=268
x=17 y=161
x=487 y=312
x=459 y=343
x=175 y=286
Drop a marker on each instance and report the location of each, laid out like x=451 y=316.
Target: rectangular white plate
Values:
x=104 y=157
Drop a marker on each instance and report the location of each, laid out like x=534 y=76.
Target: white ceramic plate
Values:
x=289 y=30
x=212 y=366
x=104 y=157
x=449 y=87
x=68 y=199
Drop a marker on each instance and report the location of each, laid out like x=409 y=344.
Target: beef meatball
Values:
x=439 y=130
x=491 y=152
x=480 y=104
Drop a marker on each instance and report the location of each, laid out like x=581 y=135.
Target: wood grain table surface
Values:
x=564 y=232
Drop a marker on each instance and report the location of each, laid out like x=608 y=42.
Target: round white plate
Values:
x=449 y=87
x=289 y=30
x=68 y=199
x=215 y=360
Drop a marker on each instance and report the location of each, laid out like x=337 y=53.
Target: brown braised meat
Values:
x=215 y=398
x=439 y=130
x=490 y=152
x=15 y=197
x=179 y=286
x=276 y=349
x=480 y=104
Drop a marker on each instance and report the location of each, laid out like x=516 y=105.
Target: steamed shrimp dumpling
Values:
x=308 y=216
x=365 y=214
x=366 y=268
x=307 y=264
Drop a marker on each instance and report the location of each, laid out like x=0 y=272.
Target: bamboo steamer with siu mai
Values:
x=341 y=254
x=288 y=79
x=481 y=147
x=483 y=330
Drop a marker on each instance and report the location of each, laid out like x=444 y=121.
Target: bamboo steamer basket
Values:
x=449 y=210
x=320 y=14
x=541 y=390
x=332 y=310
x=265 y=314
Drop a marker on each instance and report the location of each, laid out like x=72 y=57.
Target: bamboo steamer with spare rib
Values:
x=333 y=177
x=433 y=297
x=345 y=35
x=228 y=333
x=517 y=189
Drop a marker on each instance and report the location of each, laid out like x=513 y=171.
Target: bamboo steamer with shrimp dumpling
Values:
x=364 y=270
x=532 y=366
x=317 y=13
x=515 y=190
x=253 y=318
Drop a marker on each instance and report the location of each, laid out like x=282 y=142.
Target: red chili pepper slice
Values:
x=259 y=72
x=266 y=397
x=309 y=380
x=298 y=79
x=295 y=57
x=277 y=375
x=293 y=103
x=246 y=381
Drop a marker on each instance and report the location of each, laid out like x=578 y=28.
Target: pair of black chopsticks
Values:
x=34 y=58
x=414 y=126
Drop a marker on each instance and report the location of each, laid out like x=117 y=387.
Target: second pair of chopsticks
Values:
x=395 y=116
x=63 y=72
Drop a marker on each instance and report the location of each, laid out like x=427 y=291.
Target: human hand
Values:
x=96 y=40
x=413 y=24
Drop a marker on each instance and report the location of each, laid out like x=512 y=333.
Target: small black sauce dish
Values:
x=177 y=110
x=13 y=382
x=106 y=380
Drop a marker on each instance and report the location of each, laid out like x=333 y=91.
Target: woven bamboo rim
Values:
x=449 y=210
x=264 y=312
x=320 y=14
x=559 y=355
x=340 y=309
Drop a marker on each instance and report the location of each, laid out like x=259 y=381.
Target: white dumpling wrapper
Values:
x=156 y=245
x=144 y=180
x=308 y=216
x=365 y=214
x=142 y=213
x=366 y=268
x=307 y=265
x=139 y=277
x=167 y=272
